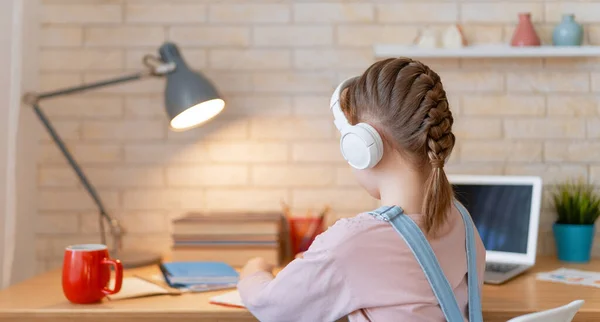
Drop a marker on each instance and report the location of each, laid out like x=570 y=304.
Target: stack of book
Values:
x=229 y=238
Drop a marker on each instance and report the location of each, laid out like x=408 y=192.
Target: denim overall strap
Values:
x=419 y=246
x=475 y=314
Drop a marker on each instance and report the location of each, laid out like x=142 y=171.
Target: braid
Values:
x=438 y=124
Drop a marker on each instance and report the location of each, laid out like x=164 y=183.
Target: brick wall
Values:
x=276 y=62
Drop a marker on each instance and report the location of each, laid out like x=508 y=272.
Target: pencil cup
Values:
x=303 y=232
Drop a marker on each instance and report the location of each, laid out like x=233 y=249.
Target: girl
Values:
x=416 y=259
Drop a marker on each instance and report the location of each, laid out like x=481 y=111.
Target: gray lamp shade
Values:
x=190 y=98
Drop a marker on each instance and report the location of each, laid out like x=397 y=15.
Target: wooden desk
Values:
x=41 y=299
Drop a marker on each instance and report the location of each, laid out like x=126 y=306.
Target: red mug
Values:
x=86 y=273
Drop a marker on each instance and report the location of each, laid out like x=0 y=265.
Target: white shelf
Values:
x=486 y=51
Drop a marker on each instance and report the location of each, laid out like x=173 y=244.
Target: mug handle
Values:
x=118 y=275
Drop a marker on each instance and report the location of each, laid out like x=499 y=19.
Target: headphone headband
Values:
x=340 y=120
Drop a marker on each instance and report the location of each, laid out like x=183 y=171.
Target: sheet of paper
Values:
x=571 y=276
x=136 y=287
x=228 y=299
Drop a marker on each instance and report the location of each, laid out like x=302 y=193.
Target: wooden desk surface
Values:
x=41 y=299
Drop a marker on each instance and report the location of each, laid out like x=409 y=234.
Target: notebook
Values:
x=208 y=273
x=231 y=299
x=134 y=287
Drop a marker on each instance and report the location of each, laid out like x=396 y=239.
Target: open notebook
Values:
x=133 y=287
x=232 y=299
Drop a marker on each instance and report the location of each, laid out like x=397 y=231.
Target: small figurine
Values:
x=454 y=37
x=427 y=39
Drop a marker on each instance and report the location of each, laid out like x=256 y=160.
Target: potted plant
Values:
x=577 y=207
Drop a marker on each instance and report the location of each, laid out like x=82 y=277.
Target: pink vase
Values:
x=525 y=34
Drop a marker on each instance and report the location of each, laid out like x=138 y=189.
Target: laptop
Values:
x=506 y=213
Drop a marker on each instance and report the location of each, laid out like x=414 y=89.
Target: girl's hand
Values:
x=257 y=264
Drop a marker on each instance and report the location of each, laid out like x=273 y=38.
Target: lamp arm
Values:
x=33 y=99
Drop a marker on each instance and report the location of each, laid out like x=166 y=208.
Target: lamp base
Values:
x=137 y=258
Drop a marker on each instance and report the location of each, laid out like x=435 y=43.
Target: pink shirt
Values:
x=362 y=268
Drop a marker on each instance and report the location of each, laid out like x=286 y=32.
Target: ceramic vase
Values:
x=568 y=32
x=525 y=34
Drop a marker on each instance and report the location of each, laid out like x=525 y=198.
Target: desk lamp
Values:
x=190 y=100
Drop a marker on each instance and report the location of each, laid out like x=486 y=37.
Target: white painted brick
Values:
x=418 y=12
x=172 y=13
x=500 y=65
x=250 y=59
x=210 y=36
x=84 y=153
x=472 y=81
x=593 y=34
x=194 y=58
x=116 y=177
x=586 y=12
x=580 y=151
x=53 y=176
x=285 y=82
x=573 y=63
x=57 y=224
x=230 y=82
x=125 y=130
x=248 y=152
x=483 y=34
x=150 y=85
x=54 y=36
x=67 y=130
x=333 y=12
x=548 y=82
x=573 y=105
x=324 y=151
x=207 y=176
x=595 y=174
x=551 y=174
x=595 y=82
x=81 y=59
x=51 y=81
x=477 y=128
x=312 y=105
x=42 y=247
x=81 y=13
x=332 y=58
x=368 y=35
x=156 y=153
x=292 y=176
x=500 y=12
x=145 y=222
x=292 y=36
x=345 y=177
x=84 y=106
x=593 y=128
x=544 y=128
x=124 y=36
x=216 y=130
x=88 y=222
x=526 y=105
x=258 y=105
x=74 y=200
x=244 y=199
x=159 y=243
x=354 y=199
x=290 y=128
x=500 y=151
x=484 y=168
x=146 y=106
x=249 y=13
x=163 y=199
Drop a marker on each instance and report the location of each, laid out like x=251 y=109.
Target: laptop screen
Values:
x=500 y=212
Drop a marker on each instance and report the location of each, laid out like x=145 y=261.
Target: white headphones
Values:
x=360 y=144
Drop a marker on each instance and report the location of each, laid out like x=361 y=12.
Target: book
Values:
x=234 y=256
x=231 y=299
x=247 y=237
x=225 y=228
x=185 y=273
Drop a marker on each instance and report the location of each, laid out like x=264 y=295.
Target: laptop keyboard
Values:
x=499 y=268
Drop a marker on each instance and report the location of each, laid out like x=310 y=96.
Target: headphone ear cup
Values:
x=361 y=146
